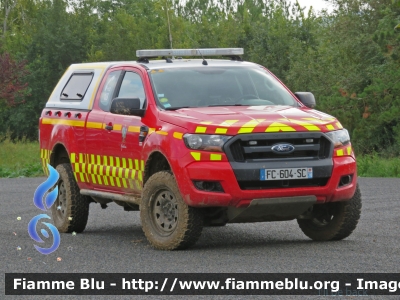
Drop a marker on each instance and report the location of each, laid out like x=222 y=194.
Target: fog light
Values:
x=345 y=180
x=209 y=186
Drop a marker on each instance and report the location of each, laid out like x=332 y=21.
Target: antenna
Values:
x=204 y=62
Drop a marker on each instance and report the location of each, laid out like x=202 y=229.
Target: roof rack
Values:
x=234 y=53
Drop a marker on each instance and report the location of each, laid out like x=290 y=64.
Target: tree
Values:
x=13 y=88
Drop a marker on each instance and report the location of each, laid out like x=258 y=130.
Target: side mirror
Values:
x=306 y=98
x=127 y=106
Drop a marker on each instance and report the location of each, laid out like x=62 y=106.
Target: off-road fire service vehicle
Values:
x=193 y=143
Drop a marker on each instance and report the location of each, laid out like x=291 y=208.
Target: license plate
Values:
x=290 y=173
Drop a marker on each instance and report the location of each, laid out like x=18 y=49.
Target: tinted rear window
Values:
x=76 y=87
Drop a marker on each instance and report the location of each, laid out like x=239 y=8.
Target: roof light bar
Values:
x=190 y=52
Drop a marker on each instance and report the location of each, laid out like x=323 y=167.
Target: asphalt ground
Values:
x=113 y=242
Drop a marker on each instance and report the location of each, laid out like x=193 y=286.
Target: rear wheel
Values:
x=71 y=209
x=333 y=221
x=167 y=221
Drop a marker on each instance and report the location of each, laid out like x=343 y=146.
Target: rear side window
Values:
x=76 y=87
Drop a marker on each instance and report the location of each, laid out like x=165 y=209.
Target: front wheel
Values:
x=167 y=221
x=333 y=221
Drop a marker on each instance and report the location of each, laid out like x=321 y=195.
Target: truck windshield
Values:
x=217 y=86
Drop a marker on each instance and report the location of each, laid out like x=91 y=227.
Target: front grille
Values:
x=250 y=153
x=273 y=184
x=257 y=147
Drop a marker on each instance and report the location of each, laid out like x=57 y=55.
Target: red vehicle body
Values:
x=113 y=153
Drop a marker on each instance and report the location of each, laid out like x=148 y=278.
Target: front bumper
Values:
x=234 y=196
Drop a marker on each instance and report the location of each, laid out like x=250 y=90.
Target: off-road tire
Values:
x=344 y=219
x=167 y=221
x=71 y=209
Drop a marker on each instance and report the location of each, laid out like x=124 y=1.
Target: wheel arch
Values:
x=59 y=155
x=156 y=162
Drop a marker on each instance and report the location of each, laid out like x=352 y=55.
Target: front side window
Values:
x=108 y=90
x=132 y=87
x=218 y=86
x=76 y=87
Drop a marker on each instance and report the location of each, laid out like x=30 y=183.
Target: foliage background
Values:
x=348 y=58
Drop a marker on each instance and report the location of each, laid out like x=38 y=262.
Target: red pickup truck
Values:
x=193 y=143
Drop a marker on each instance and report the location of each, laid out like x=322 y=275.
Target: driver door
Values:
x=125 y=166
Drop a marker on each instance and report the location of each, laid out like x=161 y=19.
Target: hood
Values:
x=232 y=120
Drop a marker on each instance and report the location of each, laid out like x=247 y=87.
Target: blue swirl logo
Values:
x=44 y=204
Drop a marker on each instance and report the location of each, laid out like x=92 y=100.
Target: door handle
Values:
x=109 y=126
x=144 y=130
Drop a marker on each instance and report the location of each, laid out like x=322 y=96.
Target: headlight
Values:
x=205 y=142
x=339 y=137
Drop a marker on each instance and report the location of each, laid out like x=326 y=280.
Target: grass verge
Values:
x=19 y=159
x=376 y=166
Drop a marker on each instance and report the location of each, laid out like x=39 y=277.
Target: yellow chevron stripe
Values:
x=215 y=156
x=249 y=126
x=82 y=177
x=136 y=164
x=114 y=172
x=330 y=127
x=124 y=183
x=130 y=163
x=277 y=127
x=221 y=130
x=178 y=135
x=108 y=170
x=308 y=126
x=196 y=155
x=200 y=129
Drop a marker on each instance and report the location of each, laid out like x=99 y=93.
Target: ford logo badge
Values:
x=282 y=148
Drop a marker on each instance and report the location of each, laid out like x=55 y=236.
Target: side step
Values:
x=111 y=196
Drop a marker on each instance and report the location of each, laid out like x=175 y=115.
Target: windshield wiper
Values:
x=175 y=108
x=237 y=104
